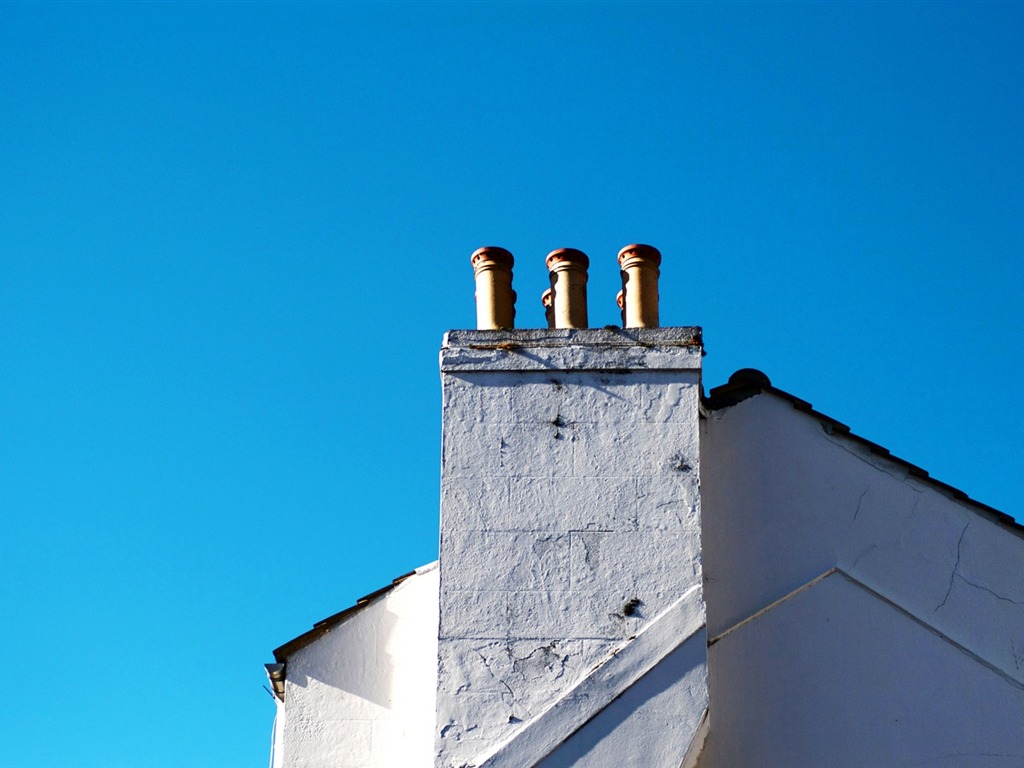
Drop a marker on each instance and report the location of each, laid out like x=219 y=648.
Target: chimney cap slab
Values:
x=616 y=350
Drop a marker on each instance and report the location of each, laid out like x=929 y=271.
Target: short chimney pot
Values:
x=568 y=273
x=640 y=266
x=495 y=299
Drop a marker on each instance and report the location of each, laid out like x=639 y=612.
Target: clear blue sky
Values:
x=232 y=235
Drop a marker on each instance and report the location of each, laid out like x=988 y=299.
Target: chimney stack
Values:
x=568 y=268
x=495 y=299
x=640 y=270
x=570 y=524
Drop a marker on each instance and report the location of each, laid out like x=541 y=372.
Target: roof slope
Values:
x=324 y=626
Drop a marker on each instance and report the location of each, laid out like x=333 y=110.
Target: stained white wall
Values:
x=785 y=501
x=570 y=514
x=362 y=695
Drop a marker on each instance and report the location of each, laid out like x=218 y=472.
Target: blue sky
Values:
x=232 y=236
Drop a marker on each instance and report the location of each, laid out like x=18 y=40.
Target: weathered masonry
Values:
x=570 y=519
x=634 y=571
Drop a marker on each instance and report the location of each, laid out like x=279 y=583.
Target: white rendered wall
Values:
x=785 y=501
x=362 y=695
x=570 y=514
x=837 y=676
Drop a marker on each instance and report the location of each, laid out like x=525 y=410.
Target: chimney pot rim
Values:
x=641 y=251
x=570 y=255
x=492 y=253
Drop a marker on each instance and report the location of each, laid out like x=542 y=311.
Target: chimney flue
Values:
x=568 y=268
x=640 y=271
x=495 y=299
x=548 y=300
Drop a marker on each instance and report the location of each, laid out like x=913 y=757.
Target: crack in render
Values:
x=906 y=523
x=675 y=511
x=956 y=566
x=957 y=575
x=487 y=666
x=986 y=589
x=551 y=659
x=860 y=500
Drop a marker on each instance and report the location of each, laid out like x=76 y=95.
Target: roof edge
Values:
x=324 y=626
x=750 y=382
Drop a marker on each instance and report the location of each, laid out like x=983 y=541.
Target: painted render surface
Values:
x=651 y=724
x=570 y=515
x=362 y=695
x=786 y=501
x=837 y=675
x=625 y=693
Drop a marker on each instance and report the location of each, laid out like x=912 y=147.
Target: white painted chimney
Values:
x=570 y=517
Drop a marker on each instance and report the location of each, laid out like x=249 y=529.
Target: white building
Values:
x=633 y=573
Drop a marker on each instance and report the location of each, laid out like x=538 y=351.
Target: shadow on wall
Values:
x=644 y=726
x=354 y=657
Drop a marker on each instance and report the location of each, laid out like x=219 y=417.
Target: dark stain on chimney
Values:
x=680 y=464
x=631 y=606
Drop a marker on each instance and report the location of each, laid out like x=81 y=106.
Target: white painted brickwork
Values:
x=570 y=513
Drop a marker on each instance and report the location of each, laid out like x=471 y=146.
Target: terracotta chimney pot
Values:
x=495 y=299
x=640 y=265
x=568 y=273
x=548 y=300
